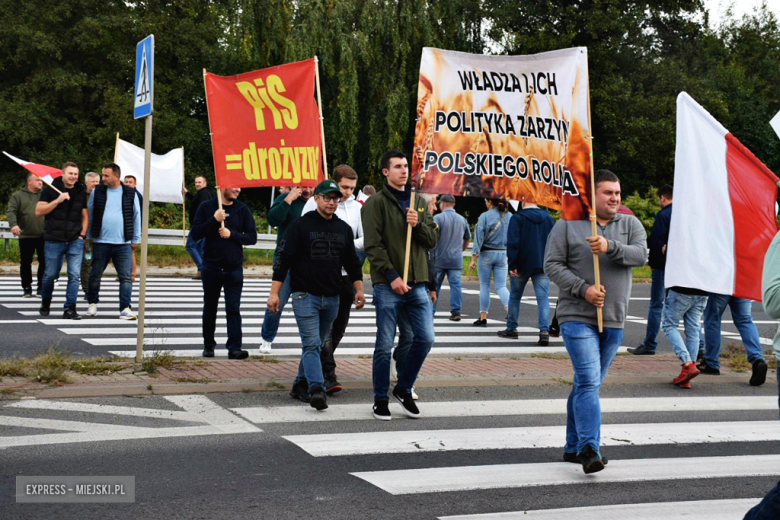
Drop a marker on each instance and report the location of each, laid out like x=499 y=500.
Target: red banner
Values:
x=265 y=127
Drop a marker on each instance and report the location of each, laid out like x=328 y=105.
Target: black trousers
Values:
x=346 y=299
x=231 y=282
x=27 y=248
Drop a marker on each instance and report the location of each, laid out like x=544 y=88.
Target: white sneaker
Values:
x=414 y=394
x=127 y=314
x=92 y=310
x=265 y=347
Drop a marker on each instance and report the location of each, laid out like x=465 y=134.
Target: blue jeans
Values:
x=495 y=263
x=214 y=280
x=591 y=355
x=741 y=313
x=55 y=253
x=456 y=296
x=122 y=257
x=405 y=337
x=416 y=305
x=541 y=289
x=271 y=319
x=657 y=296
x=195 y=249
x=315 y=316
x=688 y=308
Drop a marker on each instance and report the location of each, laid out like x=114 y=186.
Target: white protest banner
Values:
x=167 y=171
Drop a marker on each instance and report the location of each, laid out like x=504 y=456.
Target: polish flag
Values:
x=47 y=173
x=723 y=217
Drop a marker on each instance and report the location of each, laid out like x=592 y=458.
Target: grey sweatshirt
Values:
x=568 y=261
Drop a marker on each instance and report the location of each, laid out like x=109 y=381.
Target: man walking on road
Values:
x=91 y=179
x=525 y=243
x=348 y=210
x=659 y=237
x=28 y=226
x=64 y=231
x=621 y=245
x=114 y=233
x=386 y=217
x=130 y=182
x=286 y=208
x=223 y=265
x=454 y=236
x=314 y=251
x=195 y=247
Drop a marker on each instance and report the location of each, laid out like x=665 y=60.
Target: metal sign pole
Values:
x=139 y=346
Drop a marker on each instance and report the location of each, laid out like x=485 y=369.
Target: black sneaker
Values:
x=300 y=391
x=544 y=339
x=641 y=350
x=704 y=368
x=70 y=314
x=332 y=386
x=480 y=323
x=208 y=351
x=27 y=293
x=318 y=399
x=759 y=373
x=508 y=334
x=238 y=354
x=569 y=456
x=382 y=411
x=407 y=403
x=45 y=307
x=590 y=460
x=455 y=316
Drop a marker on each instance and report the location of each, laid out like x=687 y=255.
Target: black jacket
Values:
x=196 y=200
x=220 y=253
x=659 y=236
x=63 y=224
x=314 y=250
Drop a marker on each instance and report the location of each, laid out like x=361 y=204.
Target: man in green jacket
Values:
x=386 y=217
x=26 y=225
x=286 y=208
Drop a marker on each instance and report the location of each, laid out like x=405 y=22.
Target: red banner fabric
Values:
x=265 y=128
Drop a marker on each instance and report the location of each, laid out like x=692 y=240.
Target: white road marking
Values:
x=498 y=408
x=287 y=340
x=69 y=406
x=461 y=478
x=369 y=443
x=157 y=328
x=353 y=351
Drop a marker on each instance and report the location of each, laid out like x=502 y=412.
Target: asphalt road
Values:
x=30 y=336
x=262 y=474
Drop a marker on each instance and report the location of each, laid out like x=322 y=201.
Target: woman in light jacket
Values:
x=490 y=248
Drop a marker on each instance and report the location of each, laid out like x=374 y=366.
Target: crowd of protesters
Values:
x=324 y=236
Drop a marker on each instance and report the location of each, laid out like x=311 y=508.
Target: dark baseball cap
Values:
x=448 y=199
x=327 y=186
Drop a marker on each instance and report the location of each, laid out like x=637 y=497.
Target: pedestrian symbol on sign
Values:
x=143 y=93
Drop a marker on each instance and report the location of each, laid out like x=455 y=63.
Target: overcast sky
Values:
x=741 y=7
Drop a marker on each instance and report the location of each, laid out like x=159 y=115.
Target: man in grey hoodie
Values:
x=621 y=244
x=26 y=225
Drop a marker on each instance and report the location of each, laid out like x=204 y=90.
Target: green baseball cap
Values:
x=327 y=186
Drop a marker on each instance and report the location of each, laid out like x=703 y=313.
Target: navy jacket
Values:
x=220 y=253
x=526 y=239
x=659 y=237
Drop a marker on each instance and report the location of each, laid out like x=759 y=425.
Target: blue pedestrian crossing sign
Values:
x=144 y=77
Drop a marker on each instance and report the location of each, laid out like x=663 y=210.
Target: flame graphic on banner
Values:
x=573 y=153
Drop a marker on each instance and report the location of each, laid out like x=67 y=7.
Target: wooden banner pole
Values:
x=594 y=226
x=219 y=199
x=322 y=120
x=408 y=240
x=183 y=203
x=116 y=148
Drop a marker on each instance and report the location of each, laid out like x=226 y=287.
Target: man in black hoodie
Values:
x=195 y=247
x=223 y=265
x=64 y=231
x=314 y=249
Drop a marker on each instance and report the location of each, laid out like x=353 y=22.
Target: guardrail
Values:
x=173 y=237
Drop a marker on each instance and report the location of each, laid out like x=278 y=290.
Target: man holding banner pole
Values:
x=621 y=244
x=385 y=219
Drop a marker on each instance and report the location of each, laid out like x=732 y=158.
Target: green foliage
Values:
x=645 y=208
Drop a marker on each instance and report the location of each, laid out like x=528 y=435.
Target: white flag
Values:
x=167 y=171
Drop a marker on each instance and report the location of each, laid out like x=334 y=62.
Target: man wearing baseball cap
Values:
x=314 y=249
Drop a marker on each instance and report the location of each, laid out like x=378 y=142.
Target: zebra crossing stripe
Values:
x=157 y=328
x=697 y=510
x=372 y=443
x=465 y=478
x=357 y=412
x=343 y=350
x=290 y=340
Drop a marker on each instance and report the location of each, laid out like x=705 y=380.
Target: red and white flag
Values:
x=723 y=217
x=47 y=173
